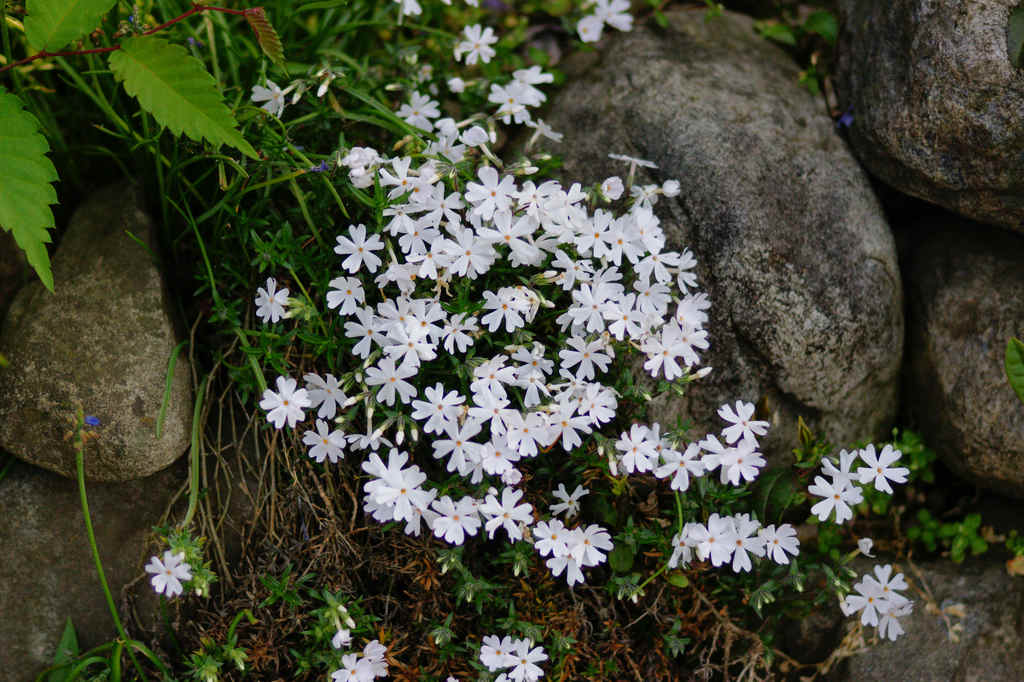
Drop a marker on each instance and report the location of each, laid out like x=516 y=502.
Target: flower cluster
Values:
x=732 y=539
x=619 y=279
x=571 y=549
x=363 y=667
x=517 y=656
x=875 y=597
x=487 y=311
x=879 y=602
x=842 y=491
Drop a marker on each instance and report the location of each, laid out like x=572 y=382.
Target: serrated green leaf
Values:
x=176 y=88
x=824 y=24
x=25 y=189
x=52 y=24
x=266 y=36
x=1015 y=37
x=1014 y=365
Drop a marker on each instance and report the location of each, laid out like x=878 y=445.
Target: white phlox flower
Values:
x=168 y=573
x=286 y=404
x=271 y=302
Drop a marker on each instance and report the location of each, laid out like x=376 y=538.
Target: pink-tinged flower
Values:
x=168 y=574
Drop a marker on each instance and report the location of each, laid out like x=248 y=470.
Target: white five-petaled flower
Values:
x=879 y=469
x=496 y=653
x=272 y=96
x=570 y=502
x=745 y=541
x=346 y=294
x=456 y=520
x=439 y=409
x=418 y=112
x=358 y=249
x=841 y=475
x=391 y=379
x=271 y=302
x=838 y=496
x=492 y=194
x=507 y=514
x=325 y=443
x=524 y=658
x=716 y=540
x=682 y=546
x=477 y=45
x=325 y=392
x=742 y=426
x=285 y=405
x=779 y=541
x=168 y=574
x=680 y=466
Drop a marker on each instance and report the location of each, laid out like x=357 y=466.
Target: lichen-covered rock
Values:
x=965 y=295
x=969 y=633
x=47 y=574
x=102 y=343
x=794 y=249
x=938 y=107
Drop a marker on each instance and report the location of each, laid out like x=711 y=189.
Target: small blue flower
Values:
x=319 y=168
x=195 y=43
x=846 y=120
x=91 y=420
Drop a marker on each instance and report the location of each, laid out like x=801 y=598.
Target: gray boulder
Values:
x=968 y=633
x=48 y=573
x=794 y=250
x=965 y=294
x=101 y=342
x=938 y=107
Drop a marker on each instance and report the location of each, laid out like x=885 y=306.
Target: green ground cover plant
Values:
x=432 y=359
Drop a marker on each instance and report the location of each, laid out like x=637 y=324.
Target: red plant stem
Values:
x=72 y=53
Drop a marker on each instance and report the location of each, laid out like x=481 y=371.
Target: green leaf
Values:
x=621 y=558
x=67 y=650
x=266 y=36
x=824 y=24
x=1015 y=37
x=678 y=578
x=52 y=24
x=1014 y=365
x=959 y=549
x=25 y=189
x=780 y=33
x=773 y=493
x=176 y=88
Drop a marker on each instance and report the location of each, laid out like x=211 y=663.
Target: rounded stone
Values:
x=964 y=284
x=938 y=107
x=792 y=245
x=100 y=343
